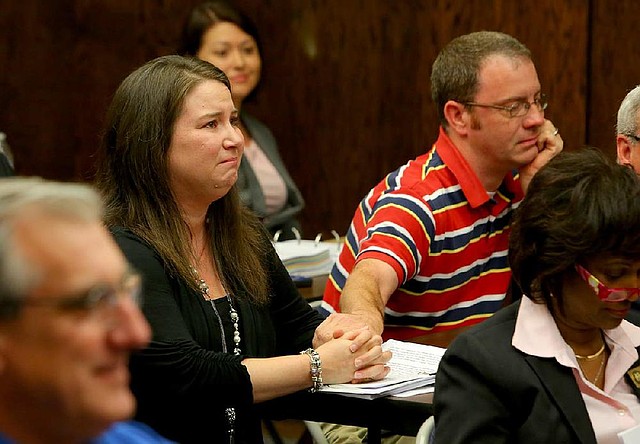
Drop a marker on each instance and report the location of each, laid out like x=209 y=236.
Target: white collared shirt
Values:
x=612 y=410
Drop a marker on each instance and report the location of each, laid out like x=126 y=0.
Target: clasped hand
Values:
x=353 y=356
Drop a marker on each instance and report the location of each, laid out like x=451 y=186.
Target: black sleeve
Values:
x=174 y=364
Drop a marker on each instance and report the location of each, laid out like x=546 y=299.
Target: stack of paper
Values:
x=412 y=366
x=306 y=258
x=630 y=436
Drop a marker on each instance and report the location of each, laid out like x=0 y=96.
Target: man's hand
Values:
x=549 y=145
x=334 y=327
x=363 y=299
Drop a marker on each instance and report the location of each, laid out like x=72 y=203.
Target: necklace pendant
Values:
x=230 y=413
x=236 y=328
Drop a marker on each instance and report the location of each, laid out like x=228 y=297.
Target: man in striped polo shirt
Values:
x=427 y=248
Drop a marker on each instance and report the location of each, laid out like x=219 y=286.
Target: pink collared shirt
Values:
x=271 y=182
x=612 y=410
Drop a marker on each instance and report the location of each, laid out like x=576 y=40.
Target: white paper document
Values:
x=307 y=258
x=415 y=392
x=630 y=436
x=412 y=366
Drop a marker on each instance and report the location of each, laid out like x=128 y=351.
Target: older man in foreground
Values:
x=68 y=320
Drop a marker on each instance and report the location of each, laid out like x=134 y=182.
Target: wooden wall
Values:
x=345 y=87
x=614 y=67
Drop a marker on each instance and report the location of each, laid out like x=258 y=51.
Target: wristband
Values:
x=316 y=369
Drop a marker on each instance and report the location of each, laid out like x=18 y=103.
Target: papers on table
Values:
x=413 y=366
x=304 y=257
x=630 y=436
x=307 y=258
x=415 y=392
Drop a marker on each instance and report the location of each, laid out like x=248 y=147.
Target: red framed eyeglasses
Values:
x=605 y=293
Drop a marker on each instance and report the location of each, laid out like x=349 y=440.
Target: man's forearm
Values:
x=364 y=302
x=367 y=291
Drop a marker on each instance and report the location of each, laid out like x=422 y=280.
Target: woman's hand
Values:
x=356 y=356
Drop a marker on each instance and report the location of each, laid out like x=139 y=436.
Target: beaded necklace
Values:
x=235 y=318
x=230 y=412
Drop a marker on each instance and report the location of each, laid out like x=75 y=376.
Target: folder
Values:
x=307 y=258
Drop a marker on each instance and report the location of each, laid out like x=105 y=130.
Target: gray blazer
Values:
x=487 y=391
x=249 y=187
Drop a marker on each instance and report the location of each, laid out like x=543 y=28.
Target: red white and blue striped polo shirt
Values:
x=445 y=237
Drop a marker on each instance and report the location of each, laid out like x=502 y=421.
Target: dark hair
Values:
x=207 y=14
x=133 y=177
x=454 y=75
x=581 y=204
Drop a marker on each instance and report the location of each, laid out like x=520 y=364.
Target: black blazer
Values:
x=6 y=170
x=487 y=391
x=249 y=187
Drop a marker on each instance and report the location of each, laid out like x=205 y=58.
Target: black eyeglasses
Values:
x=96 y=300
x=634 y=137
x=518 y=108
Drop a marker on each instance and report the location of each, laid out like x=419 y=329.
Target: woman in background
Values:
x=552 y=368
x=220 y=34
x=228 y=324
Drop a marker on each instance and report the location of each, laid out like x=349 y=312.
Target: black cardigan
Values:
x=182 y=380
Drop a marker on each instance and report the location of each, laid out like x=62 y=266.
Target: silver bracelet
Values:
x=316 y=369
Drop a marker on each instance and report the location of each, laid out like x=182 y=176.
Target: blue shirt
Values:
x=126 y=432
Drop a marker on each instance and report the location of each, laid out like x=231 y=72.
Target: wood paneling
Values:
x=347 y=92
x=61 y=62
x=345 y=87
x=614 y=67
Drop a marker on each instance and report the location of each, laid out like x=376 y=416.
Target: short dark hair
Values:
x=207 y=14
x=454 y=75
x=580 y=205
